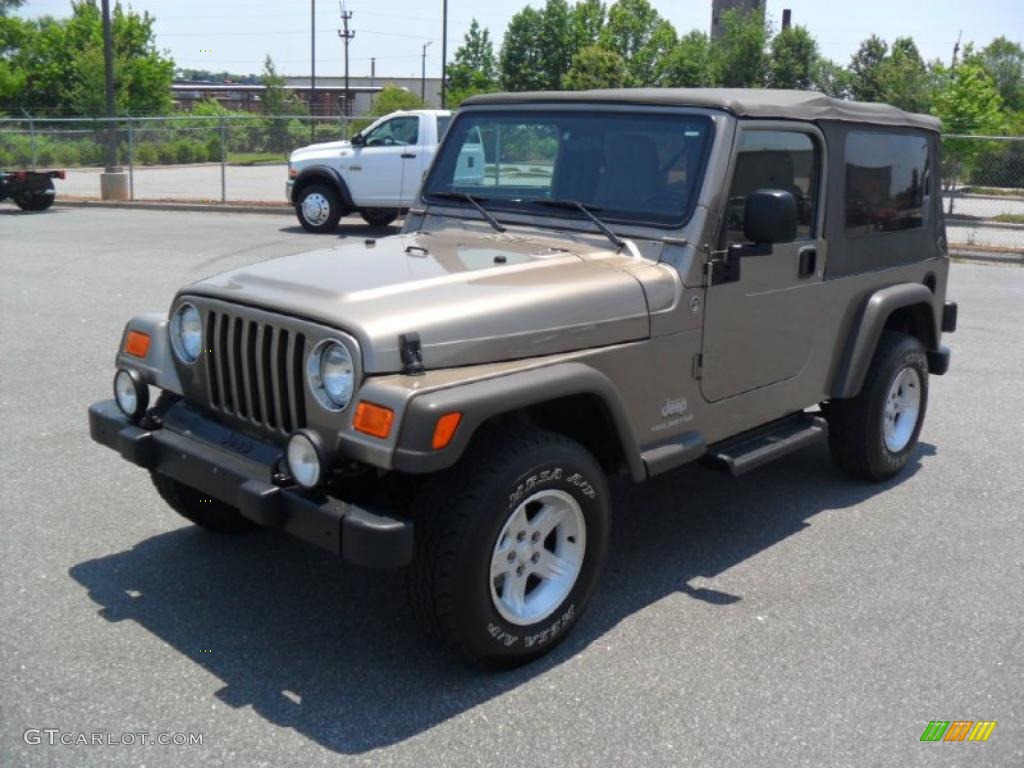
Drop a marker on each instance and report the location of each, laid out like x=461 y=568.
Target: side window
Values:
x=887 y=182
x=399 y=131
x=442 y=127
x=787 y=160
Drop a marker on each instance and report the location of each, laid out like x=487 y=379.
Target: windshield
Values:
x=629 y=167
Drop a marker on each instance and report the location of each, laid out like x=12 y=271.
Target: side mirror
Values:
x=358 y=140
x=770 y=217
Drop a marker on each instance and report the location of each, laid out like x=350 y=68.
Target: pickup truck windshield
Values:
x=633 y=168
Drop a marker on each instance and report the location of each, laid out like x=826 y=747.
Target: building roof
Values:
x=742 y=102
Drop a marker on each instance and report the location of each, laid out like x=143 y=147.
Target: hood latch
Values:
x=412 y=354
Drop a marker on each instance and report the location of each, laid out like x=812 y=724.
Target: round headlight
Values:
x=305 y=460
x=187 y=333
x=131 y=393
x=331 y=374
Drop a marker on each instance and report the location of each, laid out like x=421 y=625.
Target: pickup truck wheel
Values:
x=506 y=566
x=198 y=508
x=872 y=435
x=35 y=201
x=318 y=209
x=379 y=217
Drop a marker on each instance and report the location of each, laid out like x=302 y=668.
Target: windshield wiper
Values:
x=475 y=202
x=587 y=211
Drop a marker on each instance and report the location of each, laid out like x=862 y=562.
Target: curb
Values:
x=273 y=208
x=1002 y=259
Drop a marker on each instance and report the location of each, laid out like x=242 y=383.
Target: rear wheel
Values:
x=510 y=546
x=318 y=209
x=37 y=200
x=872 y=435
x=379 y=217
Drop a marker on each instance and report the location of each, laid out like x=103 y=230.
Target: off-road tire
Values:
x=208 y=513
x=334 y=207
x=459 y=515
x=379 y=217
x=856 y=429
x=35 y=201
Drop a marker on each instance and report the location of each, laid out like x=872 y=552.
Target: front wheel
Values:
x=872 y=435
x=318 y=209
x=199 y=508
x=510 y=547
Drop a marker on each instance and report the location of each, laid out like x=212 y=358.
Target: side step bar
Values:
x=750 y=450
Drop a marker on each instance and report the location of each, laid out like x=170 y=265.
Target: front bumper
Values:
x=240 y=471
x=288 y=185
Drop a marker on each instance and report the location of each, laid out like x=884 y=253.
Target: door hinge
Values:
x=698 y=366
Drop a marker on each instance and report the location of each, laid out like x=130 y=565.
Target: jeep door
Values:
x=377 y=169
x=759 y=323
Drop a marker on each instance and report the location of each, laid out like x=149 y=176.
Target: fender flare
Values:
x=868 y=329
x=479 y=401
x=323 y=173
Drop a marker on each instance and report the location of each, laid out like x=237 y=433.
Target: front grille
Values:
x=254 y=371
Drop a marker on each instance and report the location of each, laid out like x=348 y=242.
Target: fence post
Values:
x=223 y=158
x=131 y=161
x=32 y=137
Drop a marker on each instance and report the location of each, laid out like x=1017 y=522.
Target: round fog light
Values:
x=305 y=459
x=131 y=393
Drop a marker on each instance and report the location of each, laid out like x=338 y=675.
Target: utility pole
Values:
x=423 y=73
x=108 y=76
x=956 y=49
x=373 y=71
x=444 y=51
x=312 y=69
x=346 y=36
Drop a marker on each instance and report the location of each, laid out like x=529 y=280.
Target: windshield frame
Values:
x=524 y=213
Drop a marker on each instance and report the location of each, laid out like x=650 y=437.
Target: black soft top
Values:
x=743 y=102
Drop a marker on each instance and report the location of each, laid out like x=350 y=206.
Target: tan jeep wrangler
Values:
x=639 y=279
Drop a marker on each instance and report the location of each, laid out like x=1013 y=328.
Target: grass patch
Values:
x=993 y=191
x=1010 y=218
x=256 y=158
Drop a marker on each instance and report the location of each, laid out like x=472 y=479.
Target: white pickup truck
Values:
x=377 y=173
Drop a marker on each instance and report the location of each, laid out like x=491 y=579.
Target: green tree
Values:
x=10 y=5
x=595 y=67
x=1004 y=61
x=474 y=68
x=903 y=78
x=794 y=59
x=866 y=69
x=392 y=98
x=522 y=56
x=689 y=63
x=61 y=62
x=968 y=103
x=588 y=20
x=557 y=40
x=739 y=55
x=832 y=79
x=638 y=33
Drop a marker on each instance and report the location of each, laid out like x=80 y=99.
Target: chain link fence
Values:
x=230 y=158
x=983 y=193
x=241 y=158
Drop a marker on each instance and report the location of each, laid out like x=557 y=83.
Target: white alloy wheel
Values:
x=316 y=209
x=537 y=557
x=902 y=408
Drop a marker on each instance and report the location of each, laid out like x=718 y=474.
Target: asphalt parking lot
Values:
x=791 y=617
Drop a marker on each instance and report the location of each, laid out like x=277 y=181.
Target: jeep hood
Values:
x=472 y=297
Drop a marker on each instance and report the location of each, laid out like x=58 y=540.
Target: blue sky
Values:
x=236 y=34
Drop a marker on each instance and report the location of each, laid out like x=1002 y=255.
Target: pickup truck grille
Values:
x=255 y=371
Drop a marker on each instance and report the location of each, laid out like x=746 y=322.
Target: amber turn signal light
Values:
x=137 y=344
x=373 y=420
x=445 y=430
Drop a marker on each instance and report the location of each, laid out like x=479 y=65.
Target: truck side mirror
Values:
x=358 y=140
x=770 y=217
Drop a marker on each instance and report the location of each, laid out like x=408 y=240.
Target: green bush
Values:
x=167 y=154
x=199 y=153
x=67 y=153
x=146 y=154
x=184 y=150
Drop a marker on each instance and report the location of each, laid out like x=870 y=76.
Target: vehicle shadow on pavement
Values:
x=334 y=653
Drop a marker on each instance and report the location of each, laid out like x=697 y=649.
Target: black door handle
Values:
x=808 y=261
x=408 y=156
